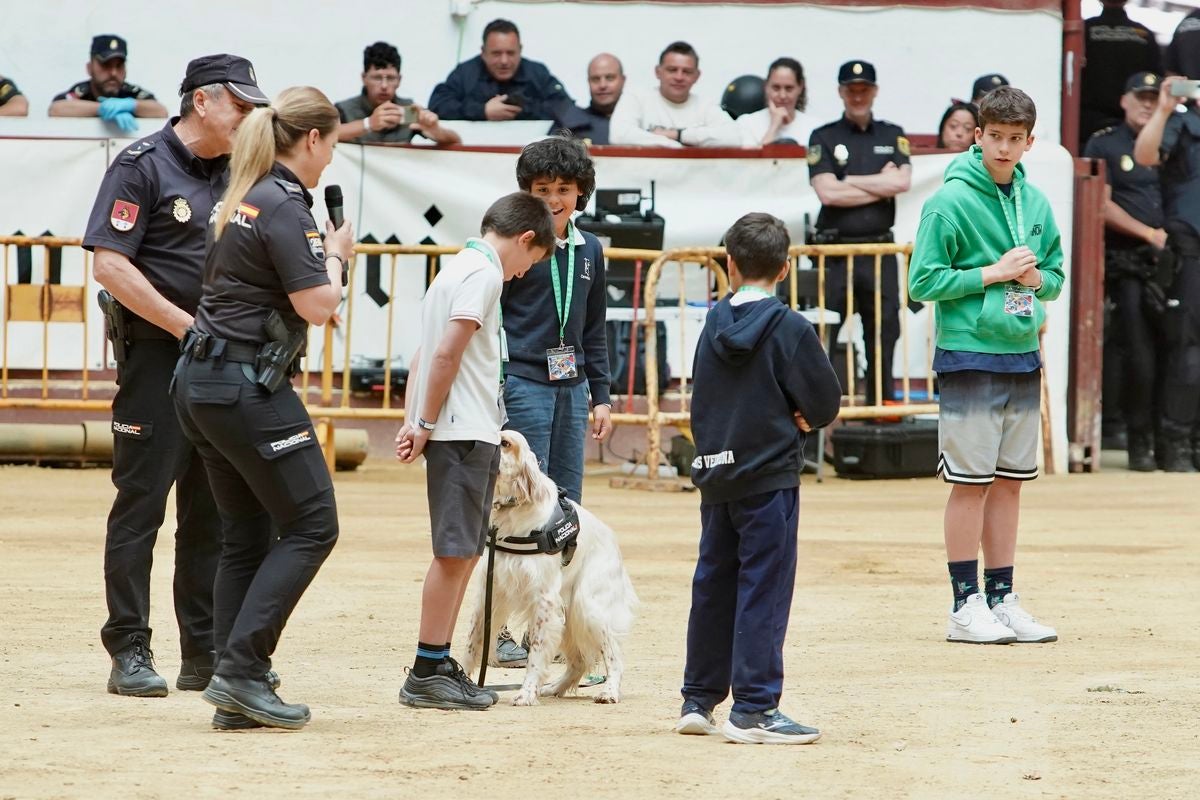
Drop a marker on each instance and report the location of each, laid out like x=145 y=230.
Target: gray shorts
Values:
x=460 y=479
x=988 y=426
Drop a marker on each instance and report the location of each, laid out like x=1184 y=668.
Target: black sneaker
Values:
x=695 y=720
x=195 y=673
x=133 y=672
x=254 y=698
x=448 y=688
x=767 y=727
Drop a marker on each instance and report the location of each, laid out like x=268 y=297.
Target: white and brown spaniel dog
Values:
x=581 y=610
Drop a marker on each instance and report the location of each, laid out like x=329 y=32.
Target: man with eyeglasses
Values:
x=378 y=114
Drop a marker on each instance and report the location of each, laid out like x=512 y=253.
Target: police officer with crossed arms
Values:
x=147 y=230
x=268 y=275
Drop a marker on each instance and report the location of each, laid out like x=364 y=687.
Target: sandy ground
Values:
x=1110 y=710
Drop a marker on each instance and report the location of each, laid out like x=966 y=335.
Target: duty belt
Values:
x=834 y=237
x=203 y=347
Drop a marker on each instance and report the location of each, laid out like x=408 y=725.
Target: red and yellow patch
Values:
x=247 y=210
x=124 y=215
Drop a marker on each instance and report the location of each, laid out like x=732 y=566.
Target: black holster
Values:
x=278 y=359
x=115 y=327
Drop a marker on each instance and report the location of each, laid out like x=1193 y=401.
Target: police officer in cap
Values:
x=857 y=165
x=105 y=93
x=984 y=84
x=1114 y=47
x=1134 y=238
x=147 y=232
x=267 y=277
x=1173 y=139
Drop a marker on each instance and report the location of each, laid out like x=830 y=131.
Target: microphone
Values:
x=333 y=203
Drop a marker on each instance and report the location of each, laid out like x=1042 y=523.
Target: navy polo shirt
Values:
x=470 y=86
x=269 y=249
x=843 y=148
x=1135 y=188
x=1180 y=151
x=153 y=207
x=83 y=91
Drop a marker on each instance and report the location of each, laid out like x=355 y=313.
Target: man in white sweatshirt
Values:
x=672 y=116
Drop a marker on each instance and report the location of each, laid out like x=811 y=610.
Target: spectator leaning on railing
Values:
x=782 y=121
x=606 y=81
x=377 y=113
x=671 y=116
x=105 y=93
x=12 y=102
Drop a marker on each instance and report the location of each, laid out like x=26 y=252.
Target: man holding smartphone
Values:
x=1172 y=139
x=378 y=114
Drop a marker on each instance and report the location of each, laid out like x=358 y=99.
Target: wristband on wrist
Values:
x=366 y=124
x=428 y=426
x=679 y=135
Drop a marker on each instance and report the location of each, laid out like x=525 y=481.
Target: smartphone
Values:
x=1185 y=88
x=516 y=99
x=410 y=115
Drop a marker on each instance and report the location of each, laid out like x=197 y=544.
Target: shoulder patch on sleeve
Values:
x=814 y=154
x=903 y=145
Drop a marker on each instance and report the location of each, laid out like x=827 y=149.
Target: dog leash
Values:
x=487 y=606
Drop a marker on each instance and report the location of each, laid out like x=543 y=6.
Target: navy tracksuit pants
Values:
x=741 y=599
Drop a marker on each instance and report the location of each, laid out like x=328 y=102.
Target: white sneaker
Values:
x=1027 y=629
x=975 y=623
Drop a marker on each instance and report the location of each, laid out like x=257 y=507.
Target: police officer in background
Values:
x=857 y=165
x=1114 y=47
x=1173 y=140
x=147 y=231
x=267 y=277
x=1134 y=238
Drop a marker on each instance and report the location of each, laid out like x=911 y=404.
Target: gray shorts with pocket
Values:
x=460 y=480
x=988 y=426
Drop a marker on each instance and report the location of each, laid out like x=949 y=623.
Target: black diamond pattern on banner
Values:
x=432 y=215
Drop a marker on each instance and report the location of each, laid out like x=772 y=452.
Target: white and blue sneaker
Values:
x=975 y=623
x=767 y=727
x=695 y=720
x=1027 y=629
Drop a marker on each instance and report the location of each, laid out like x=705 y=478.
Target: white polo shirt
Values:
x=468 y=287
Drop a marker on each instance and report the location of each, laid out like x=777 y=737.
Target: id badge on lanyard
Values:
x=560 y=361
x=1018 y=298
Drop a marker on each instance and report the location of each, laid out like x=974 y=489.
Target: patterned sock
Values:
x=964 y=580
x=997 y=583
x=428 y=658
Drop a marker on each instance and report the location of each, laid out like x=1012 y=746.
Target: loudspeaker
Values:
x=618 y=358
x=635 y=231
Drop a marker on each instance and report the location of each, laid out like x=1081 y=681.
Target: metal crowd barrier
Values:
x=48 y=302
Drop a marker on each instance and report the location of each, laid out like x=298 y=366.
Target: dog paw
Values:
x=606 y=698
x=525 y=698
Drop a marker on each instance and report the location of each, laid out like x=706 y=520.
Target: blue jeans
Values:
x=741 y=600
x=554 y=418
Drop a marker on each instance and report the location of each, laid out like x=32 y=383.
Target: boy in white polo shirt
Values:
x=453 y=417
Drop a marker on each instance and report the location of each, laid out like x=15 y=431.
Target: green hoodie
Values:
x=963 y=229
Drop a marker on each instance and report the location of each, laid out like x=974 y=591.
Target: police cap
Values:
x=107 y=45
x=856 y=72
x=985 y=83
x=1140 y=82
x=235 y=72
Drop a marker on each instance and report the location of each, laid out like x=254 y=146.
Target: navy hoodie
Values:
x=756 y=364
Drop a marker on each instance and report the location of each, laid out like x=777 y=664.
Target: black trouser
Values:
x=864 y=303
x=1135 y=339
x=150 y=455
x=266 y=469
x=1181 y=373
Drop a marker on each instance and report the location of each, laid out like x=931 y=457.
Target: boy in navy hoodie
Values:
x=761 y=381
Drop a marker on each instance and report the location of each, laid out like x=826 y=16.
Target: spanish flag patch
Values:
x=247 y=210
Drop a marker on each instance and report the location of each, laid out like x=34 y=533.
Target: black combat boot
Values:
x=1177 y=454
x=1141 y=451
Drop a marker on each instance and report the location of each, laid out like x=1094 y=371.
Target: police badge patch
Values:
x=814 y=154
x=180 y=210
x=903 y=145
x=124 y=215
x=315 y=244
x=841 y=154
x=1126 y=163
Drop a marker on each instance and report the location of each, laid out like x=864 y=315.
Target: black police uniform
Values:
x=153 y=207
x=470 y=86
x=1180 y=172
x=1183 y=53
x=83 y=91
x=8 y=90
x=259 y=446
x=843 y=148
x=1115 y=47
x=356 y=108
x=1130 y=272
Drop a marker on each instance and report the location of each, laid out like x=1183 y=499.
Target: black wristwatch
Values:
x=345 y=267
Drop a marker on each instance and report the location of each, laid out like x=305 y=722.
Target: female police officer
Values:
x=267 y=276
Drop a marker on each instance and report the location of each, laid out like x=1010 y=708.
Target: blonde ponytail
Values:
x=268 y=132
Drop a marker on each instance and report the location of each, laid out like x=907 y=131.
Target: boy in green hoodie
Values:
x=989 y=254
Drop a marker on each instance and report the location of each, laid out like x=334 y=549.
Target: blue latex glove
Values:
x=126 y=122
x=111 y=106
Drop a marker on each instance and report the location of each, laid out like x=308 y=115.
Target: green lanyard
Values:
x=1018 y=229
x=755 y=290
x=559 y=301
x=473 y=244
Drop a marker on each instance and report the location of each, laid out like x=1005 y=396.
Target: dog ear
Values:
x=539 y=487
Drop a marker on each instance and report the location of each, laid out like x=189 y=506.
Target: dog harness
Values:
x=558 y=535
